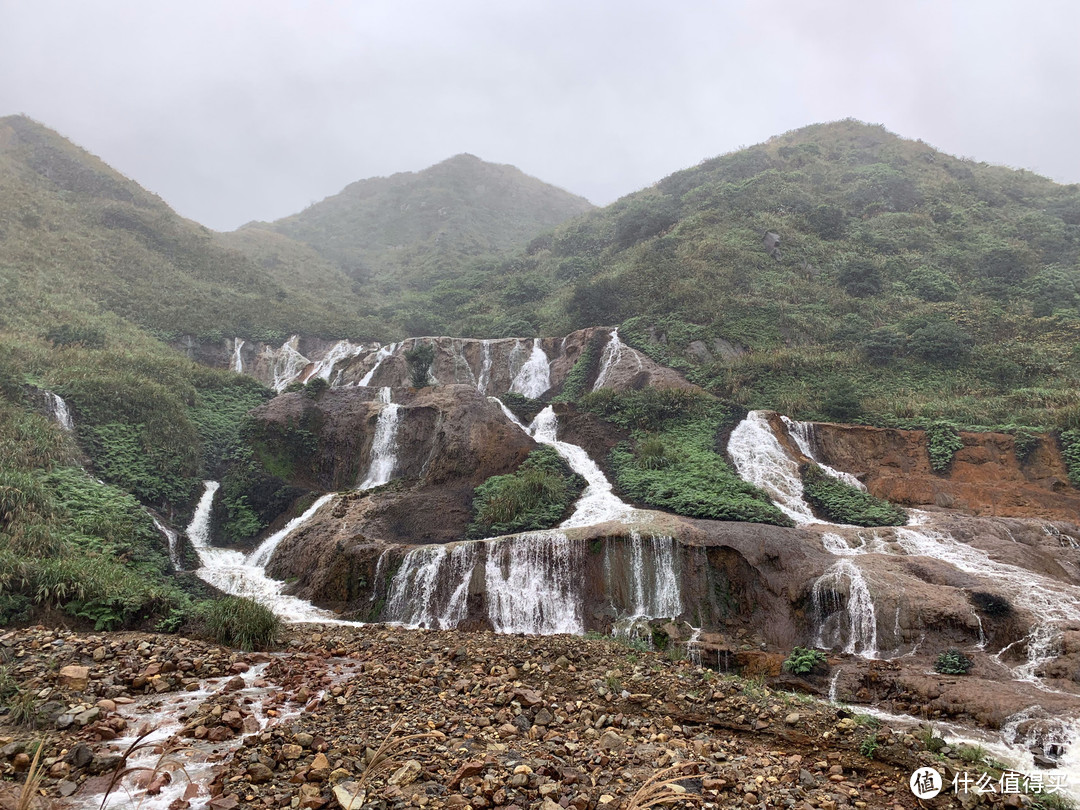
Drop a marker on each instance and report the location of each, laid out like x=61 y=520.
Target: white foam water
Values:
x=431 y=586
x=534 y=584
x=235 y=574
x=171 y=537
x=342 y=350
x=382 y=354
x=654 y=573
x=597 y=504
x=802 y=433
x=609 y=359
x=857 y=623
x=60 y=411
x=485 y=368
x=288 y=363
x=760 y=460
x=237 y=358
x=383 y=444
x=534 y=376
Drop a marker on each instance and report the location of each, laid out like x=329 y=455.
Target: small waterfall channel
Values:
x=534 y=376
x=241 y=575
x=384 y=443
x=60 y=411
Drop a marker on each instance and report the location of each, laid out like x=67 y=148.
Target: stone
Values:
x=75 y=677
x=87 y=717
x=611 y=741
x=259 y=774
x=66 y=787
x=793 y=719
x=349 y=796
x=320 y=763
x=543 y=718
x=291 y=751
x=406 y=774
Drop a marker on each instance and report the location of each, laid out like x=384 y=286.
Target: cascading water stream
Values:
x=534 y=376
x=597 y=504
x=382 y=354
x=383 y=444
x=237 y=358
x=484 y=380
x=342 y=350
x=609 y=359
x=535 y=584
x=802 y=433
x=760 y=459
x=238 y=575
x=288 y=363
x=860 y=627
x=60 y=411
x=171 y=537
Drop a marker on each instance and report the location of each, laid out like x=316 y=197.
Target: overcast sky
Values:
x=234 y=110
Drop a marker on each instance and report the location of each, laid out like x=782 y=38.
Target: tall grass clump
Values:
x=237 y=621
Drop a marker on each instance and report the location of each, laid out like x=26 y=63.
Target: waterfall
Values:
x=172 y=538
x=463 y=373
x=237 y=358
x=342 y=350
x=861 y=618
x=534 y=376
x=234 y=574
x=1051 y=602
x=654 y=576
x=60 y=411
x=597 y=503
x=288 y=363
x=485 y=368
x=384 y=443
x=534 y=584
x=802 y=433
x=381 y=355
x=760 y=459
x=431 y=587
x=609 y=359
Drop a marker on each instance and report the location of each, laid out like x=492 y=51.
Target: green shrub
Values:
x=942 y=443
x=842 y=401
x=583 y=370
x=1070 y=449
x=952 y=662
x=651 y=408
x=991 y=604
x=803 y=661
x=538 y=495
x=237 y=621
x=1025 y=443
x=869 y=746
x=522 y=406
x=420 y=357
x=314 y=387
x=69 y=335
x=652 y=454
x=839 y=502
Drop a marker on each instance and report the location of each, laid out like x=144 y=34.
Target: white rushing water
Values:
x=655 y=578
x=855 y=625
x=802 y=433
x=382 y=354
x=288 y=363
x=431 y=586
x=609 y=359
x=237 y=358
x=597 y=503
x=238 y=575
x=171 y=537
x=534 y=376
x=535 y=584
x=760 y=459
x=485 y=367
x=383 y=444
x=342 y=350
x=60 y=411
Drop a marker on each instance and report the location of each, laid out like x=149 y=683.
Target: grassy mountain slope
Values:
x=909 y=285
x=79 y=239
x=410 y=230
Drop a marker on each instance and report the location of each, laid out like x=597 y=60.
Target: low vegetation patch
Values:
x=839 y=502
x=943 y=442
x=237 y=621
x=521 y=406
x=952 y=662
x=803 y=661
x=539 y=495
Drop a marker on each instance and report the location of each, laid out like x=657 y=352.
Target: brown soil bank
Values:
x=985 y=477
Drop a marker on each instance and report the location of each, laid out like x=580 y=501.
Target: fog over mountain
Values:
x=251 y=111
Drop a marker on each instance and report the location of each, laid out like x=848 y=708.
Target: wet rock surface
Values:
x=474 y=720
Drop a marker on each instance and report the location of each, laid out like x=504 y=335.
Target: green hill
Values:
x=401 y=234
x=909 y=285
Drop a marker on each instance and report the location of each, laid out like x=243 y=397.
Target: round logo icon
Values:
x=926 y=783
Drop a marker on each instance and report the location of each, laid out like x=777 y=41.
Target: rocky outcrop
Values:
x=985 y=477
x=491 y=366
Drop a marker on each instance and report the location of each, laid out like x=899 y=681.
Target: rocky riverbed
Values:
x=511 y=721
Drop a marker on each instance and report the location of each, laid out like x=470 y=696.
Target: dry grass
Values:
x=660 y=788
x=33 y=780
x=168 y=762
x=390 y=755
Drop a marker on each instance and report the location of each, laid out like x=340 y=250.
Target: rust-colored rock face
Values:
x=985 y=477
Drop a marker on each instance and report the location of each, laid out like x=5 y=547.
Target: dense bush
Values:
x=942 y=442
x=420 y=357
x=803 y=661
x=1070 y=449
x=952 y=662
x=839 y=502
x=237 y=621
x=584 y=369
x=521 y=406
x=538 y=495
x=651 y=408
